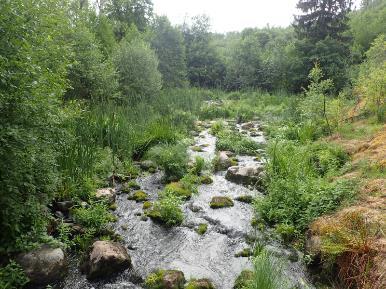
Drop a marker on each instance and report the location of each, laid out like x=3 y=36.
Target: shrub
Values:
x=202 y=228
x=172 y=158
x=137 y=67
x=198 y=166
x=12 y=276
x=167 y=210
x=95 y=217
x=236 y=142
x=297 y=191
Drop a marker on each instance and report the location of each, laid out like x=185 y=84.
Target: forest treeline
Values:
x=85 y=87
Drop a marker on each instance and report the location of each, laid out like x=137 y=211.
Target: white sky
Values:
x=231 y=15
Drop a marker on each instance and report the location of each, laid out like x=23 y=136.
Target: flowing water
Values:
x=211 y=255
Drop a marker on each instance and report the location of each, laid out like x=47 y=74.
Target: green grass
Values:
x=167 y=210
x=267 y=273
x=299 y=186
x=236 y=142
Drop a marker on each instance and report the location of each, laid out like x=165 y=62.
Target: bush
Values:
x=167 y=210
x=137 y=67
x=172 y=158
x=95 y=217
x=236 y=142
x=12 y=276
x=298 y=190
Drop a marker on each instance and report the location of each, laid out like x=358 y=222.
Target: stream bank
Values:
x=211 y=255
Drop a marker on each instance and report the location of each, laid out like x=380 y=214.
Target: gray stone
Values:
x=245 y=175
x=108 y=193
x=44 y=265
x=106 y=259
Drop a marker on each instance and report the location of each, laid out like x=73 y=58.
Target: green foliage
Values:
x=298 y=188
x=167 y=210
x=367 y=23
x=205 y=67
x=267 y=273
x=198 y=166
x=169 y=46
x=202 y=228
x=172 y=158
x=236 y=142
x=154 y=280
x=33 y=63
x=12 y=276
x=372 y=78
x=90 y=76
x=94 y=217
x=137 y=67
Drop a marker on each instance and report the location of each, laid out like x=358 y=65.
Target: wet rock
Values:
x=245 y=199
x=221 y=202
x=44 y=265
x=106 y=258
x=139 y=196
x=148 y=165
x=206 y=180
x=248 y=125
x=169 y=279
x=130 y=186
x=246 y=252
x=197 y=149
x=64 y=206
x=223 y=161
x=59 y=215
x=243 y=279
x=107 y=194
x=195 y=208
x=200 y=284
x=245 y=175
x=173 y=279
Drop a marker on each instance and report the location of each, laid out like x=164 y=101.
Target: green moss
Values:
x=113 y=207
x=197 y=149
x=199 y=284
x=139 y=196
x=147 y=205
x=130 y=186
x=207 y=180
x=179 y=190
x=202 y=228
x=156 y=280
x=221 y=202
x=246 y=252
x=243 y=279
x=245 y=199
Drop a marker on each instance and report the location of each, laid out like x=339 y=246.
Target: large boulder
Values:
x=246 y=175
x=105 y=259
x=173 y=279
x=44 y=265
x=108 y=194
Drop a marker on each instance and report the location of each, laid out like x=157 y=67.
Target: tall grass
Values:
x=267 y=273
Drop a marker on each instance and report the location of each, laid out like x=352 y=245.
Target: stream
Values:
x=211 y=255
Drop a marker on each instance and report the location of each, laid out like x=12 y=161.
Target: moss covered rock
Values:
x=200 y=284
x=165 y=279
x=243 y=279
x=178 y=189
x=246 y=252
x=197 y=149
x=130 y=186
x=245 y=199
x=202 y=228
x=221 y=202
x=206 y=180
x=147 y=205
x=139 y=196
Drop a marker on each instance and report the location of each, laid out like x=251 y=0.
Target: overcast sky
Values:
x=231 y=15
